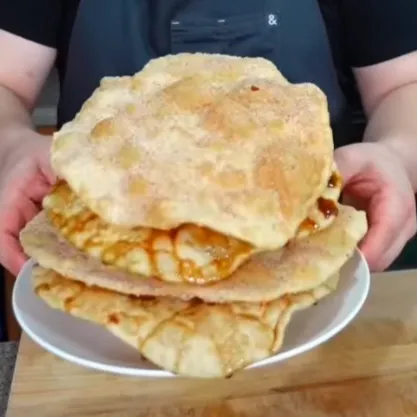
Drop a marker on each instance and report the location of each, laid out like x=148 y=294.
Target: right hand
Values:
x=25 y=178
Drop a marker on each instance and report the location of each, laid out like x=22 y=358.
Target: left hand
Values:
x=376 y=181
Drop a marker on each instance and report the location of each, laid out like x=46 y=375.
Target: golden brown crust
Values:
x=188 y=253
x=199 y=139
x=189 y=338
x=302 y=265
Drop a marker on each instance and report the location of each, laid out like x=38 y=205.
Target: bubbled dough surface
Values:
x=301 y=266
x=188 y=253
x=189 y=338
x=218 y=141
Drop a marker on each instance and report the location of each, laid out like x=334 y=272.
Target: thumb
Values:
x=44 y=158
x=350 y=160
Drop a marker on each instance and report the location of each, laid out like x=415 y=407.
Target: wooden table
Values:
x=370 y=369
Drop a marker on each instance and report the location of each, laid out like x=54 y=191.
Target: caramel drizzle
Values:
x=327 y=207
x=224 y=256
x=335 y=181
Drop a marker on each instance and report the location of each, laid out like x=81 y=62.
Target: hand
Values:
x=25 y=178
x=377 y=182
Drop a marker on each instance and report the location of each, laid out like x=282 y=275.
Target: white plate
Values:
x=92 y=346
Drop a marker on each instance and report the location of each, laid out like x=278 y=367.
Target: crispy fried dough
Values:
x=201 y=141
x=188 y=253
x=302 y=265
x=189 y=338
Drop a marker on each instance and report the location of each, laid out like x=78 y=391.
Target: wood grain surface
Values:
x=370 y=369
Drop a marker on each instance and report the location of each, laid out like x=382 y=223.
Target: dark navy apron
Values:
x=118 y=37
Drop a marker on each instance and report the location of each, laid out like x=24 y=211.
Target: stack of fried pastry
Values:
x=196 y=210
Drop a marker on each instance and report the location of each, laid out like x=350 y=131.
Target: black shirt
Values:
x=371 y=31
x=361 y=32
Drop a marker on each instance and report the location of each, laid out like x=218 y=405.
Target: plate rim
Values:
x=160 y=373
x=296 y=351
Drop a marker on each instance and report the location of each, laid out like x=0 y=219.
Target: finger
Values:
x=38 y=191
x=381 y=263
x=45 y=166
x=384 y=223
x=48 y=174
x=12 y=253
x=12 y=219
x=27 y=190
x=18 y=207
x=349 y=162
x=395 y=249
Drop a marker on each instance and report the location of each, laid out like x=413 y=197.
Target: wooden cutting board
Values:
x=370 y=369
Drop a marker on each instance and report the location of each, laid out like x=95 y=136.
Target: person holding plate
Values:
x=361 y=53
